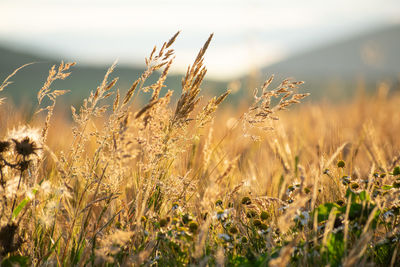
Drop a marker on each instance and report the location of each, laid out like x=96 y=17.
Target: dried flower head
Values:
x=25 y=147
x=256 y=222
x=264 y=215
x=9 y=243
x=341 y=164
x=246 y=201
x=27 y=141
x=233 y=230
x=193 y=226
x=4 y=145
x=163 y=222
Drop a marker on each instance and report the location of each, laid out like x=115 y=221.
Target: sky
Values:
x=248 y=34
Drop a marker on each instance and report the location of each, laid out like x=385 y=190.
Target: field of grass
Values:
x=183 y=183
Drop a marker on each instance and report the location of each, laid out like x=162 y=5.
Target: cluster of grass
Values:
x=171 y=184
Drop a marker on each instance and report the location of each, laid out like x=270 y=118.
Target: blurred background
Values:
x=336 y=46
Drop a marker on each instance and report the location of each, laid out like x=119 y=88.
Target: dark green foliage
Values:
x=16 y=260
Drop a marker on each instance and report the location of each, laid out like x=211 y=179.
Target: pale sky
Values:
x=247 y=33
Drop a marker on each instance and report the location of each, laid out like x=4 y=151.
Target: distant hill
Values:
x=331 y=71
x=83 y=79
x=336 y=68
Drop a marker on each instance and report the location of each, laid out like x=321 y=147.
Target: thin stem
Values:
x=2 y=182
x=15 y=195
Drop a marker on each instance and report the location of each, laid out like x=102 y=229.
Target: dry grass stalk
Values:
x=284 y=257
x=45 y=91
x=263 y=110
x=7 y=81
x=190 y=88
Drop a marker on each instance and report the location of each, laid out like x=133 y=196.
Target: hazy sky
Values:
x=248 y=33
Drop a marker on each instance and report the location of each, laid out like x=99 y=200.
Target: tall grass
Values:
x=172 y=184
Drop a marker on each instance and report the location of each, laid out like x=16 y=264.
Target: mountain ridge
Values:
x=82 y=80
x=370 y=56
x=331 y=69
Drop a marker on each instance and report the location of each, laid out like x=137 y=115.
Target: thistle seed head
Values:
x=25 y=147
x=27 y=142
x=4 y=145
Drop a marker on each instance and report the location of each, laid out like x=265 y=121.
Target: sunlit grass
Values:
x=182 y=183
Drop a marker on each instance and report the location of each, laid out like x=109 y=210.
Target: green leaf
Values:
x=387 y=187
x=335 y=249
x=351 y=193
x=325 y=209
x=396 y=171
x=364 y=196
x=383 y=253
x=76 y=252
x=53 y=247
x=22 y=205
x=354 y=212
x=19 y=208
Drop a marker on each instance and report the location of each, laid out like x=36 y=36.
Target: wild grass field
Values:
x=273 y=182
